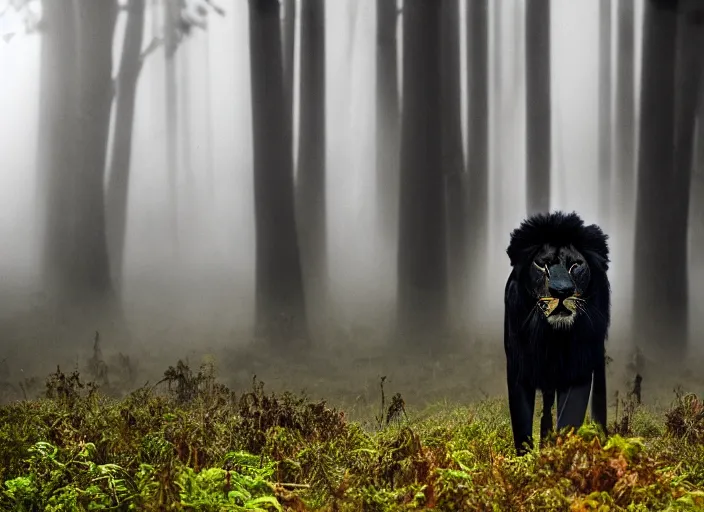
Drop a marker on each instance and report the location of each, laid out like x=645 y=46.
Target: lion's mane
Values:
x=537 y=354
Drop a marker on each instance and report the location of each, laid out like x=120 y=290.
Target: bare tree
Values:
x=77 y=93
x=310 y=184
x=131 y=62
x=538 y=106
x=605 y=125
x=422 y=267
x=625 y=133
x=453 y=159
x=172 y=14
x=671 y=69
x=126 y=94
x=57 y=150
x=478 y=138
x=288 y=40
x=697 y=193
x=387 y=117
x=280 y=304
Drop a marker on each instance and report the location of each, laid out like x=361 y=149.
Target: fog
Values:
x=200 y=294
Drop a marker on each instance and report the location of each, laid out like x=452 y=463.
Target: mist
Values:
x=188 y=275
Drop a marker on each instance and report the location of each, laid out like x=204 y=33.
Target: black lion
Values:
x=557 y=314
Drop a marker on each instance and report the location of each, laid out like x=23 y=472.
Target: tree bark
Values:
x=387 y=119
x=625 y=134
x=538 y=108
x=478 y=140
x=171 y=17
x=289 y=51
x=668 y=102
x=310 y=181
x=280 y=305
x=422 y=265
x=119 y=177
x=605 y=126
x=453 y=160
x=76 y=120
x=697 y=192
x=95 y=102
x=57 y=147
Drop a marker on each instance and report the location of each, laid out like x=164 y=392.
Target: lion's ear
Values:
x=594 y=241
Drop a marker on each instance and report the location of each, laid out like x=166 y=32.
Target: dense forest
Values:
x=447 y=81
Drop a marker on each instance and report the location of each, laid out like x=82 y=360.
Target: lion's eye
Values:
x=543 y=267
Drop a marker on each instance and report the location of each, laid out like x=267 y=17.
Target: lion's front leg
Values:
x=521 y=402
x=572 y=405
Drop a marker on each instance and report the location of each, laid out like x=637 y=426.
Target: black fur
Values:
x=538 y=355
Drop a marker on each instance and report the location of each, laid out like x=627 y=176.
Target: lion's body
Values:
x=557 y=315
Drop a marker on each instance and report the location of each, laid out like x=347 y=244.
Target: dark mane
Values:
x=558 y=229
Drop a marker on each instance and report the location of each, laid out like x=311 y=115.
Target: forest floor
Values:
x=428 y=432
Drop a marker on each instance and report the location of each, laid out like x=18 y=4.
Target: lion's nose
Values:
x=561 y=289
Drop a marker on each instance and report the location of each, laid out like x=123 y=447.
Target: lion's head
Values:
x=559 y=263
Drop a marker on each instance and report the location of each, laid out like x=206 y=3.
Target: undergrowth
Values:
x=189 y=443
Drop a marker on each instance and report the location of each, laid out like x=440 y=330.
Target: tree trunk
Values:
x=668 y=102
x=387 y=119
x=605 y=122
x=422 y=265
x=57 y=147
x=280 y=305
x=538 y=110
x=625 y=134
x=310 y=184
x=453 y=159
x=288 y=41
x=208 y=171
x=171 y=16
x=75 y=117
x=697 y=193
x=76 y=252
x=96 y=95
x=478 y=141
x=185 y=139
x=623 y=198
x=126 y=93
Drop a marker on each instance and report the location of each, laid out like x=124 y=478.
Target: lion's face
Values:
x=559 y=277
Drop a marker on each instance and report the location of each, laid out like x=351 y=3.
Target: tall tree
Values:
x=75 y=114
x=126 y=95
x=478 y=137
x=387 y=118
x=280 y=304
x=422 y=266
x=625 y=133
x=453 y=158
x=538 y=109
x=697 y=193
x=671 y=69
x=172 y=16
x=56 y=149
x=310 y=185
x=131 y=62
x=605 y=125
x=288 y=42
